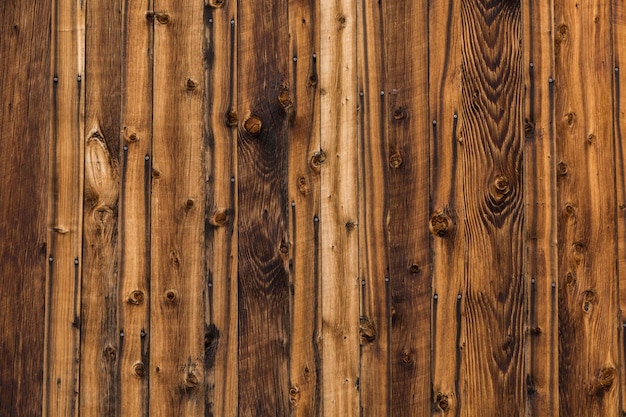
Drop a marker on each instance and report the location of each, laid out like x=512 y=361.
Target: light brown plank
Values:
x=177 y=213
x=303 y=106
x=134 y=207
x=588 y=285
x=540 y=264
x=63 y=280
x=25 y=87
x=221 y=303
x=339 y=199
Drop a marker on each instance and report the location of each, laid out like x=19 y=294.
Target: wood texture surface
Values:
x=25 y=87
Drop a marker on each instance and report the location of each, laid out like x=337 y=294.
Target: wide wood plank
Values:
x=478 y=230
x=263 y=218
x=220 y=136
x=540 y=263
x=301 y=97
x=339 y=209
x=177 y=274
x=67 y=146
x=134 y=208
x=588 y=288
x=25 y=87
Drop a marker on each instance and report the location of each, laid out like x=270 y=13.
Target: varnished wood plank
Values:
x=134 y=207
x=339 y=199
x=25 y=87
x=375 y=372
x=263 y=208
x=540 y=264
x=100 y=341
x=177 y=213
x=302 y=101
x=479 y=234
x=221 y=296
x=588 y=285
x=407 y=170
x=63 y=280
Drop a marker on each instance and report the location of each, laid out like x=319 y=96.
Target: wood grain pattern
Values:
x=99 y=336
x=263 y=219
x=540 y=263
x=134 y=208
x=177 y=275
x=67 y=147
x=487 y=199
x=588 y=288
x=25 y=86
x=339 y=200
x=302 y=101
x=220 y=135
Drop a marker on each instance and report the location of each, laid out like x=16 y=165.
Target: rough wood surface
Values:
x=177 y=274
x=588 y=288
x=63 y=278
x=540 y=263
x=25 y=86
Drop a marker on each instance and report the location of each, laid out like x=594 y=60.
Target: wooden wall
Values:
x=312 y=208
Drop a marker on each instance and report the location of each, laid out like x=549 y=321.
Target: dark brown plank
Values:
x=263 y=208
x=24 y=179
x=588 y=285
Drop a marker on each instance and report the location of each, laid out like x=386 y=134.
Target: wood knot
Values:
x=171 y=296
x=399 y=113
x=591 y=138
x=312 y=80
x=529 y=129
x=191 y=380
x=191 y=84
x=317 y=160
x=562 y=169
x=139 y=370
x=367 y=330
x=350 y=226
x=163 y=17
x=284 y=248
x=219 y=218
x=406 y=357
x=110 y=353
x=563 y=32
x=502 y=185
x=231 y=118
x=216 y=3
x=442 y=401
x=395 y=160
x=302 y=185
x=135 y=297
x=189 y=203
x=570 y=278
x=603 y=381
x=294 y=394
x=571 y=119
x=252 y=125
x=341 y=18
x=414 y=269
x=440 y=224
x=284 y=99
x=589 y=299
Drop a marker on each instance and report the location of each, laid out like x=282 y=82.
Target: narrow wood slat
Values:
x=63 y=280
x=302 y=100
x=479 y=235
x=586 y=210
x=374 y=326
x=134 y=207
x=177 y=274
x=339 y=200
x=263 y=218
x=407 y=169
x=220 y=133
x=100 y=340
x=25 y=87
x=540 y=263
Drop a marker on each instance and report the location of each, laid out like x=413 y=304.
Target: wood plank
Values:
x=100 y=341
x=408 y=212
x=375 y=318
x=339 y=199
x=177 y=275
x=134 y=207
x=263 y=219
x=588 y=291
x=542 y=380
x=220 y=135
x=302 y=100
x=25 y=87
x=478 y=228
x=63 y=278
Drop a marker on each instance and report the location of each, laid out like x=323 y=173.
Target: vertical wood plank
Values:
x=540 y=263
x=480 y=238
x=339 y=198
x=134 y=207
x=407 y=214
x=375 y=371
x=61 y=375
x=221 y=299
x=302 y=99
x=100 y=343
x=263 y=218
x=177 y=213
x=588 y=288
x=25 y=87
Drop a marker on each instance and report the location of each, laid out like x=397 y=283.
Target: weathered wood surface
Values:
x=298 y=208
